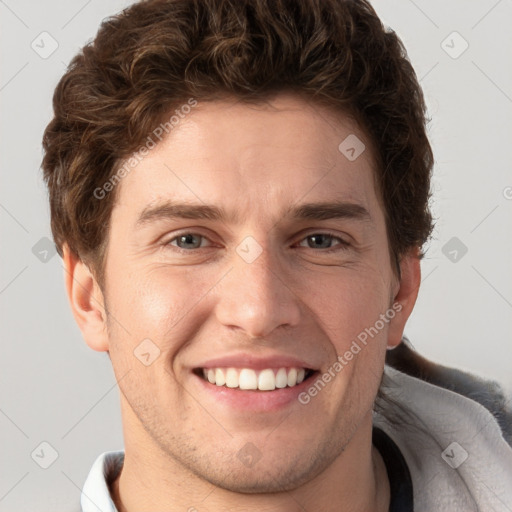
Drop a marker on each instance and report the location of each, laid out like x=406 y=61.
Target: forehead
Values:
x=255 y=156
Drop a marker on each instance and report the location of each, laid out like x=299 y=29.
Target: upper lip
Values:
x=243 y=360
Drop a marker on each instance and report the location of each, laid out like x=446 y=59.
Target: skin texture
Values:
x=294 y=299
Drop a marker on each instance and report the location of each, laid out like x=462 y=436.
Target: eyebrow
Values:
x=306 y=211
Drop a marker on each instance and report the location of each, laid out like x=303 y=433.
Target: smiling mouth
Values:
x=267 y=379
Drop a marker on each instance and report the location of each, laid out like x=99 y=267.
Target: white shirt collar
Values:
x=95 y=493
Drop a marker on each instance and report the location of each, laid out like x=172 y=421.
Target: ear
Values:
x=406 y=293
x=86 y=300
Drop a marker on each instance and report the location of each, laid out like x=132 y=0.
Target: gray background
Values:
x=56 y=390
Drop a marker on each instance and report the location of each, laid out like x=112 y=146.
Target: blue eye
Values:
x=323 y=241
x=187 y=241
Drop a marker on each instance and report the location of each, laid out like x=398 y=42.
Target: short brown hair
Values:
x=157 y=54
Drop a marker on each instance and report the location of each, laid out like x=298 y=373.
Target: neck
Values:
x=152 y=480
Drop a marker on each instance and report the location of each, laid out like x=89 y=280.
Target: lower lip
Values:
x=254 y=400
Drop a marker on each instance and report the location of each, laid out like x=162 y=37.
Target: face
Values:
x=247 y=240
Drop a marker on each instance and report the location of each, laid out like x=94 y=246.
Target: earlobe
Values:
x=86 y=301
x=406 y=296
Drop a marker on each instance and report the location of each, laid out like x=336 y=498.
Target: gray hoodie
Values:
x=454 y=431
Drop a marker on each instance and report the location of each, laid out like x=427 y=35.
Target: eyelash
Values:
x=342 y=245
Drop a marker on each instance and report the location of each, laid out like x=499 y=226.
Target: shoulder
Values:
x=486 y=392
x=455 y=448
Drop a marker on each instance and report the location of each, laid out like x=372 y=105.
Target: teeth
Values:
x=247 y=378
x=292 y=377
x=232 y=378
x=281 y=378
x=220 y=380
x=266 y=380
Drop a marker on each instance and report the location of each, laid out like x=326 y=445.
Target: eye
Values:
x=187 y=241
x=323 y=241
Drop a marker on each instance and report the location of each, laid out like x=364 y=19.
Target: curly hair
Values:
x=157 y=54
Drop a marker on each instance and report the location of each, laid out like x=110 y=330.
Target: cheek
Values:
x=348 y=303
x=359 y=336
x=158 y=302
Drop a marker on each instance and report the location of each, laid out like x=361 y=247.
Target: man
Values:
x=239 y=190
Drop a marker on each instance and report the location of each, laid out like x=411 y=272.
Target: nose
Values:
x=256 y=296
